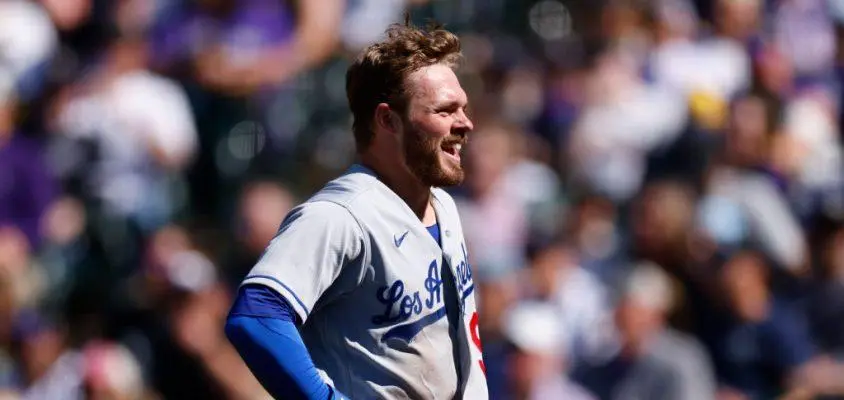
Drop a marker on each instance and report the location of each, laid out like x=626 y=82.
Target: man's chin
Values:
x=439 y=174
x=447 y=178
x=450 y=182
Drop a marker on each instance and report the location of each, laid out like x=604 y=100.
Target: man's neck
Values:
x=416 y=195
x=404 y=184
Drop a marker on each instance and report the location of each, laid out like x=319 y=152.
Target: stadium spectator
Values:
x=26 y=185
x=655 y=361
x=580 y=300
x=536 y=363
x=763 y=348
x=263 y=205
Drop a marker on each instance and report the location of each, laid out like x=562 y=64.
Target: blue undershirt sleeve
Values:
x=262 y=327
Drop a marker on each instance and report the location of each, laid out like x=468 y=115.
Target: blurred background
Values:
x=654 y=205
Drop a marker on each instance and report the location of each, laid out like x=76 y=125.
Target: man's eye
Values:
x=444 y=113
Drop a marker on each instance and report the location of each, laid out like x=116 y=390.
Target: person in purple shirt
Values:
x=237 y=47
x=26 y=185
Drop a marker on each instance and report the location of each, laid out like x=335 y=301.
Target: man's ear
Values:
x=386 y=119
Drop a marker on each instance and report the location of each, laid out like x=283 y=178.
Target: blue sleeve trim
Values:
x=260 y=301
x=292 y=293
x=274 y=352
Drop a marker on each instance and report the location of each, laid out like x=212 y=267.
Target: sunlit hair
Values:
x=379 y=73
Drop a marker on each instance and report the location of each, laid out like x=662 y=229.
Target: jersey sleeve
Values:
x=317 y=241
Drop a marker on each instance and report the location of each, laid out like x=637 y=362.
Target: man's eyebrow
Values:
x=453 y=103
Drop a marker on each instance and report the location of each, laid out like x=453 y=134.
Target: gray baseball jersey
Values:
x=370 y=283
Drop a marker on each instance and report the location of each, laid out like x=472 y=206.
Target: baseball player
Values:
x=366 y=291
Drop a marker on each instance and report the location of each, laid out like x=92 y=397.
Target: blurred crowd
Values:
x=654 y=202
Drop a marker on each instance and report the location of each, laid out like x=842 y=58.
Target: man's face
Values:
x=435 y=126
x=636 y=322
x=743 y=278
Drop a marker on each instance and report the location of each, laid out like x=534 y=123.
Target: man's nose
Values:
x=464 y=122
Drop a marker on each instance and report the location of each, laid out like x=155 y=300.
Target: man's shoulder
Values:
x=352 y=186
x=675 y=348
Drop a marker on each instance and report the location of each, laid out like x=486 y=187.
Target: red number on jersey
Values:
x=476 y=338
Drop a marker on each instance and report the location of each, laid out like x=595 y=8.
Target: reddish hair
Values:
x=379 y=73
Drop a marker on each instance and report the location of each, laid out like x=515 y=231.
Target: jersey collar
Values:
x=439 y=208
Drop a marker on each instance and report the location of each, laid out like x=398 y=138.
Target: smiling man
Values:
x=366 y=290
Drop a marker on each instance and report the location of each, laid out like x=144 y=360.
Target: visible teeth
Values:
x=457 y=148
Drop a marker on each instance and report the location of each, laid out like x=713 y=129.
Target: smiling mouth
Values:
x=452 y=149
